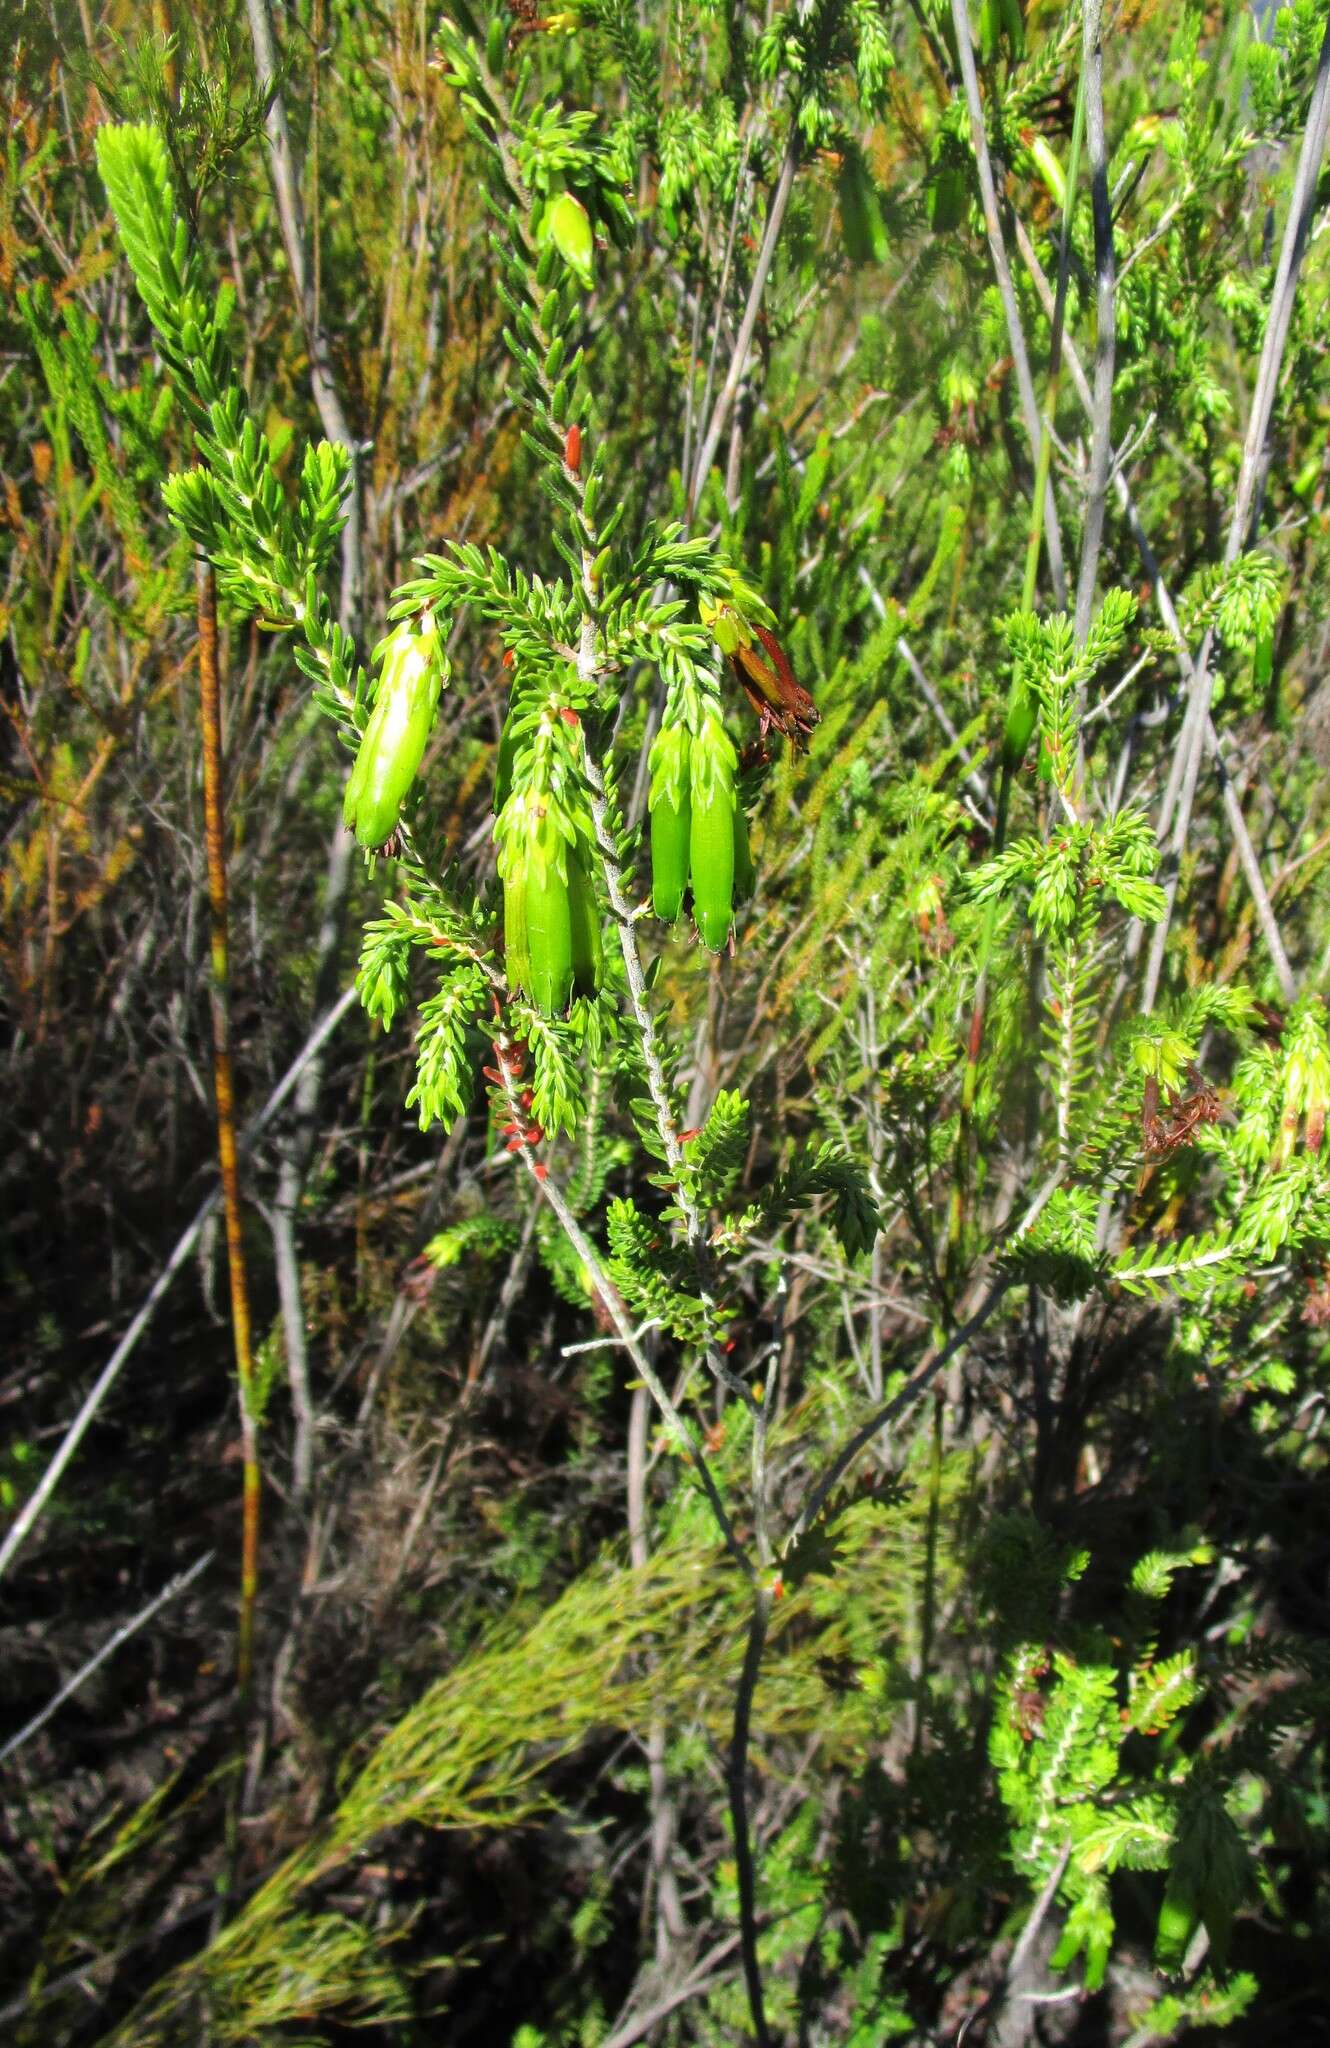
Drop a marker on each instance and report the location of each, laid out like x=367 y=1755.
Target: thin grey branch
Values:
x=1020 y=354
x=1180 y=792
x=122 y=1635
x=1250 y=865
x=780 y=198
x=1101 y=435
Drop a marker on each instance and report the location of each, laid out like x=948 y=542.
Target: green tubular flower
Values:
x=584 y=918
x=712 y=832
x=549 y=935
x=1001 y=21
x=1179 y=1917
x=516 y=954
x=745 y=875
x=552 y=938
x=504 y=764
x=1022 y=717
x=394 y=740
x=863 y=229
x=670 y=804
x=948 y=186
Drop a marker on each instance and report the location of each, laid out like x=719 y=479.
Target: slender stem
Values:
x=613 y=1303
x=671 y=1923
x=919 y=1381
x=1055 y=350
x=210 y=719
x=1101 y=433
x=738 y=1791
x=928 y=1604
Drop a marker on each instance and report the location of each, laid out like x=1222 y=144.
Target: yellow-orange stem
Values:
x=210 y=722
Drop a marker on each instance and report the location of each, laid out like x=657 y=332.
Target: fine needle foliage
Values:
x=771 y=569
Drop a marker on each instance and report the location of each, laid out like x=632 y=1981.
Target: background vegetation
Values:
x=968 y=1212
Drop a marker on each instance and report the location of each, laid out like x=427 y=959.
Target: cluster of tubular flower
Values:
x=393 y=743
x=551 y=919
x=699 y=838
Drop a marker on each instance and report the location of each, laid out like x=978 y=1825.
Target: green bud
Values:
x=554 y=356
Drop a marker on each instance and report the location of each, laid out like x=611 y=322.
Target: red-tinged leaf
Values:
x=794 y=698
x=776 y=654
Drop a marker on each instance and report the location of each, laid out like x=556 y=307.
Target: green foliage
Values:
x=663 y=341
